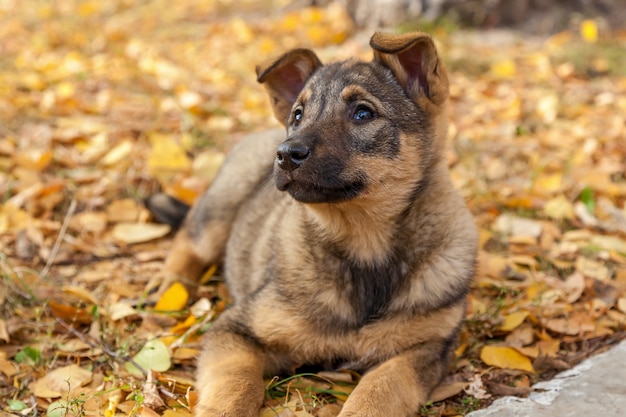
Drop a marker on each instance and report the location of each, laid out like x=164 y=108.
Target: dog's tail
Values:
x=167 y=209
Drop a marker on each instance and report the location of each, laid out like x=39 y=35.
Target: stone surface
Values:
x=596 y=386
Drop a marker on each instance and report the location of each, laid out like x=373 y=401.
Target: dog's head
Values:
x=355 y=127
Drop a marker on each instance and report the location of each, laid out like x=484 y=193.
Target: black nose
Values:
x=291 y=154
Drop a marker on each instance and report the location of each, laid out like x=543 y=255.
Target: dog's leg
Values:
x=202 y=238
x=230 y=371
x=400 y=385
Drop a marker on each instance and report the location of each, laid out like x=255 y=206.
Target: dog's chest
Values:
x=369 y=289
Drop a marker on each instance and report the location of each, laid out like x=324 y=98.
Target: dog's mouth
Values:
x=308 y=192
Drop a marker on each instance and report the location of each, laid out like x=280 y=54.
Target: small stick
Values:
x=57 y=244
x=94 y=345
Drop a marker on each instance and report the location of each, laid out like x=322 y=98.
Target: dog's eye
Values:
x=297 y=115
x=363 y=113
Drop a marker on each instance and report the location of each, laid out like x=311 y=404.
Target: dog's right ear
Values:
x=285 y=77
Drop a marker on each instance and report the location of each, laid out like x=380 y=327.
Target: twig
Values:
x=94 y=345
x=57 y=244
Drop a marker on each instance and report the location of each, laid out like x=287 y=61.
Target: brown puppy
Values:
x=345 y=244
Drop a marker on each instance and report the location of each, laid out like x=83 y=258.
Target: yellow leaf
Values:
x=173 y=299
x=177 y=412
x=185 y=353
x=559 y=208
x=513 y=320
x=35 y=159
x=118 y=153
x=504 y=69
x=548 y=183
x=65 y=90
x=505 y=357
x=180 y=328
x=242 y=30
x=166 y=155
x=341 y=392
x=207 y=164
x=589 y=31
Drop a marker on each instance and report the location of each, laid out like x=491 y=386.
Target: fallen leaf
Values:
x=589 y=30
x=125 y=210
x=541 y=348
x=513 y=320
x=518 y=226
x=60 y=381
x=559 y=208
x=445 y=391
x=8 y=368
x=60 y=408
x=120 y=310
x=177 y=412
x=505 y=357
x=81 y=293
x=167 y=156
x=184 y=353
x=173 y=299
x=153 y=356
x=70 y=314
x=563 y=326
x=151 y=397
x=593 y=269
x=476 y=388
x=120 y=152
x=131 y=233
x=4 y=332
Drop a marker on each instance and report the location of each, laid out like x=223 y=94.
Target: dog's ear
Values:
x=285 y=77
x=413 y=59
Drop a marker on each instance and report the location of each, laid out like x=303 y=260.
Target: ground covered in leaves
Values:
x=105 y=103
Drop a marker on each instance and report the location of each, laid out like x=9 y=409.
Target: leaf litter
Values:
x=101 y=107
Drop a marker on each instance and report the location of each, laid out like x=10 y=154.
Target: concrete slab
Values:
x=596 y=386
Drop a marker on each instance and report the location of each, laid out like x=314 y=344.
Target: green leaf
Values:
x=59 y=408
x=16 y=405
x=587 y=197
x=28 y=355
x=154 y=355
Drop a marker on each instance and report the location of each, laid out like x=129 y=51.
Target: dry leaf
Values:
x=505 y=357
x=120 y=310
x=60 y=381
x=117 y=154
x=80 y=292
x=8 y=368
x=593 y=269
x=445 y=391
x=131 y=233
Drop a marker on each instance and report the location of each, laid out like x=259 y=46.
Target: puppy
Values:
x=345 y=242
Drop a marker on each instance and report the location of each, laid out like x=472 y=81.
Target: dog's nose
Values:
x=291 y=154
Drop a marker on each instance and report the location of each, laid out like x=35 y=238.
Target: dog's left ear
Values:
x=413 y=59
x=285 y=77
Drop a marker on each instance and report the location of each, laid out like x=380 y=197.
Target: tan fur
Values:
x=355 y=253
